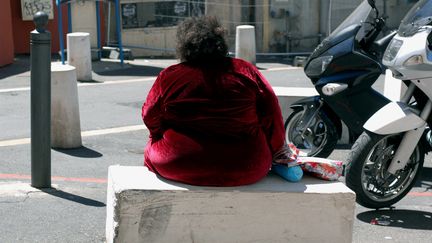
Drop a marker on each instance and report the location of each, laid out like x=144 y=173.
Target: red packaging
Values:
x=325 y=169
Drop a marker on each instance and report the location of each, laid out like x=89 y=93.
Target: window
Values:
x=159 y=14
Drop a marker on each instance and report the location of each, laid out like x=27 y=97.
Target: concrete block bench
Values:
x=142 y=207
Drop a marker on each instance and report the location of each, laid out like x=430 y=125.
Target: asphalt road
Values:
x=75 y=211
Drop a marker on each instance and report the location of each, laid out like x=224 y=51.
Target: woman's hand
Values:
x=287 y=155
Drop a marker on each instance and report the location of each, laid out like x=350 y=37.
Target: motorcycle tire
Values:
x=320 y=138
x=366 y=170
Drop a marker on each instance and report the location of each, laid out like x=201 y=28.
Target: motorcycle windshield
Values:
x=359 y=15
x=418 y=16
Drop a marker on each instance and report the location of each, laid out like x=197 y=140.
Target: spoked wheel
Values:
x=367 y=174
x=318 y=139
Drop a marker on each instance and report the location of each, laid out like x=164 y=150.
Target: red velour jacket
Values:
x=212 y=126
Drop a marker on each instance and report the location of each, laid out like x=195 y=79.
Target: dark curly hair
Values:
x=201 y=39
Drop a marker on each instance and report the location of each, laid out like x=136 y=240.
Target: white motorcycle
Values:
x=387 y=158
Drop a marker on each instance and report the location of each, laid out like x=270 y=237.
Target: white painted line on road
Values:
x=118 y=81
x=14 y=142
x=281 y=69
x=22 y=141
x=88 y=84
x=113 y=130
x=15 y=89
x=294 y=91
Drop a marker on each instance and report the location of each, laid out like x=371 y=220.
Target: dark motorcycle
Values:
x=343 y=69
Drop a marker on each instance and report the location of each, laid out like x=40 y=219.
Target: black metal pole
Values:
x=40 y=69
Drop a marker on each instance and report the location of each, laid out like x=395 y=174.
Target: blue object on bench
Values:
x=292 y=174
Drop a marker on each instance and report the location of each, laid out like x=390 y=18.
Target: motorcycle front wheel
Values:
x=366 y=170
x=319 y=139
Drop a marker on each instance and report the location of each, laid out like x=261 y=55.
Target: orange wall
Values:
x=6 y=38
x=22 y=28
x=102 y=22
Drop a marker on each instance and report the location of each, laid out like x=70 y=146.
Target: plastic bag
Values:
x=326 y=169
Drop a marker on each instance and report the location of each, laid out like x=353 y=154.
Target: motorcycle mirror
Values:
x=372 y=3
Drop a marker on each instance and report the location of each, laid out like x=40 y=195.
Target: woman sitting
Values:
x=213 y=120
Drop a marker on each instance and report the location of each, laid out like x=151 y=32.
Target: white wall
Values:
x=84 y=19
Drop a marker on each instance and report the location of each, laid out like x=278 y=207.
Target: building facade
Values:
x=16 y=17
x=6 y=40
x=17 y=23
x=148 y=26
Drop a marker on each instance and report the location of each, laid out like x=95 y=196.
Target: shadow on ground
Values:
x=107 y=68
x=73 y=197
x=81 y=152
x=21 y=64
x=425 y=179
x=407 y=219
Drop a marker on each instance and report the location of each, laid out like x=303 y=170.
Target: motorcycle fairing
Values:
x=358 y=102
x=412 y=46
x=395 y=117
x=340 y=77
x=333 y=40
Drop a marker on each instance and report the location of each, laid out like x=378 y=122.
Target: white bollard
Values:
x=65 y=117
x=245 y=43
x=393 y=88
x=79 y=54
